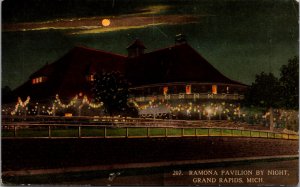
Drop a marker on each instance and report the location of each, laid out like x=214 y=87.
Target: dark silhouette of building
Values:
x=174 y=73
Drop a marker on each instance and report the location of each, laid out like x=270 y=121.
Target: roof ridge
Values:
x=96 y=50
x=216 y=68
x=171 y=46
x=136 y=42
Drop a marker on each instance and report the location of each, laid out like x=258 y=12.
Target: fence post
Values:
x=126 y=132
x=15 y=130
x=231 y=132
x=182 y=132
x=148 y=132
x=208 y=131
x=195 y=131
x=267 y=134
x=79 y=131
x=259 y=134
x=166 y=131
x=104 y=132
x=241 y=132
x=250 y=133
x=49 y=131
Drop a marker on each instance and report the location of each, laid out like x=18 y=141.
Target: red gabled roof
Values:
x=67 y=76
x=43 y=71
x=178 y=63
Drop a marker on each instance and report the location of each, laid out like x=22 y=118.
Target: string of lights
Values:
x=21 y=104
x=71 y=103
x=204 y=110
x=55 y=106
x=90 y=104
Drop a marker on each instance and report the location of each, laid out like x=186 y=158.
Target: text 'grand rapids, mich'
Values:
x=233 y=176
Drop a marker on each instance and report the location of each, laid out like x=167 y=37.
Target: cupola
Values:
x=135 y=49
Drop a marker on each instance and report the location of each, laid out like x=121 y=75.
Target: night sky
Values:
x=240 y=38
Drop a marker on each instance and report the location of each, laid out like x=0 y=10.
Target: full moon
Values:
x=105 y=22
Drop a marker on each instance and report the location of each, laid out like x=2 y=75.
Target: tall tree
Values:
x=289 y=79
x=264 y=92
x=112 y=89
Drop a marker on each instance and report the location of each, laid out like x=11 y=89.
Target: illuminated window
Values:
x=68 y=114
x=91 y=78
x=38 y=80
x=188 y=89
x=227 y=89
x=214 y=89
x=165 y=90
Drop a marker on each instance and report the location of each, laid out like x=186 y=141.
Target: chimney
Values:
x=180 y=39
x=135 y=49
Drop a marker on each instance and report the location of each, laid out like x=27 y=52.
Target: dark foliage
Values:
x=264 y=92
x=269 y=91
x=113 y=90
x=289 y=79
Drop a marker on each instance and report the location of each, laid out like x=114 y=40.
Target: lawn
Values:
x=189 y=132
x=116 y=132
x=157 y=132
x=28 y=132
x=92 y=131
x=174 y=132
x=137 y=131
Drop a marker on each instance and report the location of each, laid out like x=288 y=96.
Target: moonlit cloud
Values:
x=125 y=23
x=93 y=25
x=60 y=24
x=145 y=17
x=155 y=9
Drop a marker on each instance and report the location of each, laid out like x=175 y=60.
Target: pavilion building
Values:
x=164 y=81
